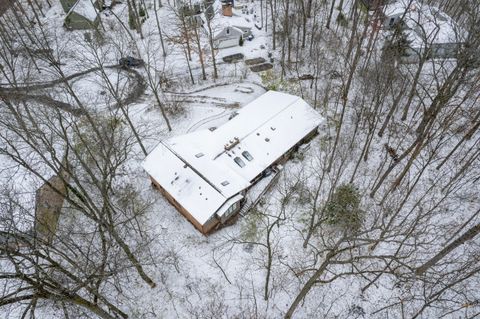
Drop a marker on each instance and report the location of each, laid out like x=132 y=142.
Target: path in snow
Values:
x=223 y=102
x=21 y=93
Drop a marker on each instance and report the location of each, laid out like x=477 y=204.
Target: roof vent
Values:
x=272 y=128
x=239 y=161
x=231 y=144
x=267 y=139
x=199 y=155
x=225 y=183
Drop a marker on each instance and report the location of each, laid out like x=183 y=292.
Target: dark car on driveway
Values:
x=129 y=62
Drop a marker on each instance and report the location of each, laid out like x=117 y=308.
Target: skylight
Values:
x=247 y=155
x=239 y=161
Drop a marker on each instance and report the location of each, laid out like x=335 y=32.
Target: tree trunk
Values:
x=468 y=235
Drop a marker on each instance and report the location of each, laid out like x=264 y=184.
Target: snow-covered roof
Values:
x=85 y=8
x=229 y=32
x=425 y=23
x=188 y=188
x=237 y=20
x=220 y=164
x=227 y=205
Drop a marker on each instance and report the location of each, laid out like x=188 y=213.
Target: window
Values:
x=231 y=209
x=239 y=161
x=247 y=156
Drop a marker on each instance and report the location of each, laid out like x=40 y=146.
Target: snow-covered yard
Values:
x=349 y=229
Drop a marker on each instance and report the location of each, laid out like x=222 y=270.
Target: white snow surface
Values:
x=200 y=172
x=86 y=9
x=228 y=33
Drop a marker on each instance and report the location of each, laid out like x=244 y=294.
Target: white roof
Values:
x=190 y=190
x=426 y=24
x=266 y=128
x=85 y=8
x=234 y=32
x=227 y=205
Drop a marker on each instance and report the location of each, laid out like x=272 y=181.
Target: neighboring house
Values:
x=247 y=31
x=67 y=5
x=427 y=31
x=83 y=15
x=195 y=20
x=205 y=174
x=209 y=9
x=189 y=7
x=228 y=37
x=374 y=4
x=194 y=11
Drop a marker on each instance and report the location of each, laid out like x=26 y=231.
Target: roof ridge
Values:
x=193 y=169
x=262 y=123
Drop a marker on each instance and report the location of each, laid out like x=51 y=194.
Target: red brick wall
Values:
x=203 y=229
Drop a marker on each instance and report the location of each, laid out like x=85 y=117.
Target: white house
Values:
x=229 y=37
x=206 y=174
x=247 y=30
x=428 y=30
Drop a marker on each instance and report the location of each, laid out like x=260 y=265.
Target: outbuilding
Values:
x=206 y=174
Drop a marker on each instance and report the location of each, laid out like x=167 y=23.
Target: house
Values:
x=247 y=31
x=188 y=8
x=229 y=37
x=194 y=11
x=209 y=9
x=426 y=31
x=67 y=4
x=205 y=174
x=83 y=15
x=373 y=4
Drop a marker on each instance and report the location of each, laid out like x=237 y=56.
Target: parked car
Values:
x=129 y=62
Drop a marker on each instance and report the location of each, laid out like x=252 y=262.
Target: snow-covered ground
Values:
x=223 y=275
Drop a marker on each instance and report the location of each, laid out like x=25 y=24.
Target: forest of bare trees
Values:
x=378 y=218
